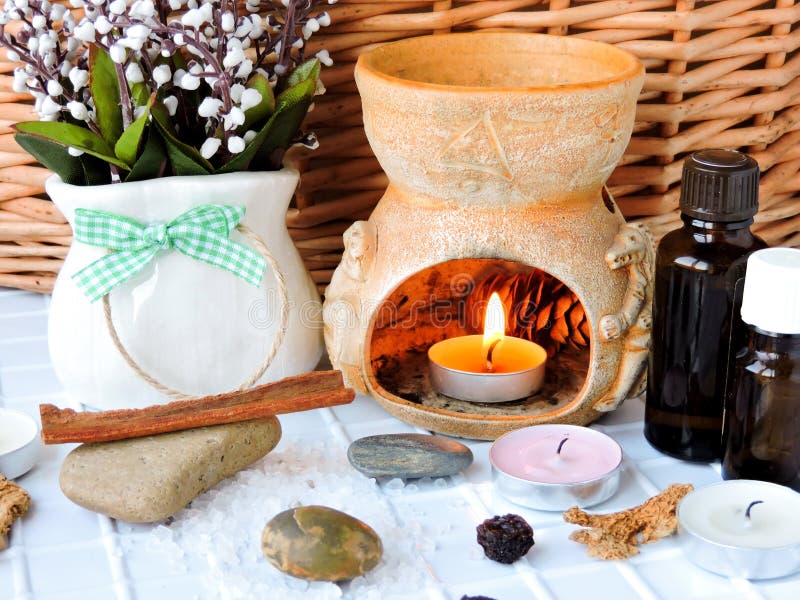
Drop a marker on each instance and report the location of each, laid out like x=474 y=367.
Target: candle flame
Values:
x=494 y=324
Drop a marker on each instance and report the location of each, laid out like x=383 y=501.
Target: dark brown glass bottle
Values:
x=762 y=415
x=697 y=270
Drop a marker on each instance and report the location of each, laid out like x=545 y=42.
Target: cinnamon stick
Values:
x=317 y=389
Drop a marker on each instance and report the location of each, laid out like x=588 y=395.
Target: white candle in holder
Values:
x=742 y=528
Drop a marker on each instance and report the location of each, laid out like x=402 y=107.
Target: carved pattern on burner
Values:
x=343 y=310
x=634 y=249
x=453 y=155
x=608 y=119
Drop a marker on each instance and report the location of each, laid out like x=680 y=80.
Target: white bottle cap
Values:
x=772 y=290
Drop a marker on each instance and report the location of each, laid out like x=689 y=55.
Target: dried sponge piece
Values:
x=14 y=502
x=615 y=536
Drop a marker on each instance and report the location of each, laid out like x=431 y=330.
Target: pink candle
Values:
x=556 y=454
x=554 y=467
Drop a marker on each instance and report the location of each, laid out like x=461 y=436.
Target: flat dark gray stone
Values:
x=408 y=456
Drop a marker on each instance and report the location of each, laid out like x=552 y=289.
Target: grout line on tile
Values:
x=25 y=313
x=340 y=432
x=432 y=594
x=531 y=578
x=19 y=560
x=750 y=591
x=23 y=368
x=524 y=570
x=30 y=338
x=648 y=486
x=373 y=422
x=335 y=426
x=661 y=460
x=114 y=555
x=22 y=574
x=635 y=580
x=656 y=555
x=19 y=339
x=618 y=427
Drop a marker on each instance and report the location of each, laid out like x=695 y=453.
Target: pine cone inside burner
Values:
x=540 y=308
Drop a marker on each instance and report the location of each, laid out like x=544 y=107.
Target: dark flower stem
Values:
x=286 y=37
x=124 y=96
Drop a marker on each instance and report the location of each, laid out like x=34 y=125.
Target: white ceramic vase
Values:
x=193 y=327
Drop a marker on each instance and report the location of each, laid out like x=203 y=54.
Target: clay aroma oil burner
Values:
x=497 y=147
x=742 y=528
x=556 y=467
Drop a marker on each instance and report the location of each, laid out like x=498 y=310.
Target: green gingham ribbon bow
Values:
x=200 y=233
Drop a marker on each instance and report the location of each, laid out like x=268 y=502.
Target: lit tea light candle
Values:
x=492 y=367
x=742 y=528
x=555 y=467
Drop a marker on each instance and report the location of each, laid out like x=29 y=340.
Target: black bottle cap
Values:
x=719 y=185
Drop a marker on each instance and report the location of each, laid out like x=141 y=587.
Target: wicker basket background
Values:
x=719 y=74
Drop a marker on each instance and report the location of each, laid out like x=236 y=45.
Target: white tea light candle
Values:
x=19 y=443
x=555 y=467
x=742 y=528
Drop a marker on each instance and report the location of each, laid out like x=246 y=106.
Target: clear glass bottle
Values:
x=762 y=414
x=697 y=270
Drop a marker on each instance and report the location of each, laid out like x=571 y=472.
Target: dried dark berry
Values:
x=505 y=539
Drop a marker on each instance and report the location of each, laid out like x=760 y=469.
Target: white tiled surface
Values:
x=61 y=551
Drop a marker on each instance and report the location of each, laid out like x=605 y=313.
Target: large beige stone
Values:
x=149 y=479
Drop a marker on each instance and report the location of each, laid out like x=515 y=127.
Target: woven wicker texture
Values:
x=719 y=74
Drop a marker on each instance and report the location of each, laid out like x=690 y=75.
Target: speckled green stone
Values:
x=320 y=544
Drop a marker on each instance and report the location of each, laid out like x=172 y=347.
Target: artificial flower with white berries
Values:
x=137 y=89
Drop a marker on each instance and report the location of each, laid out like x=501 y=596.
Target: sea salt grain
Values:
x=394 y=486
x=219 y=534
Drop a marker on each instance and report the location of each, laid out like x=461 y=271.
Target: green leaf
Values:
x=75 y=170
x=308 y=70
x=185 y=159
x=292 y=109
x=53 y=156
x=153 y=160
x=278 y=132
x=241 y=161
x=76 y=136
x=104 y=86
x=97 y=171
x=127 y=146
x=264 y=108
x=140 y=94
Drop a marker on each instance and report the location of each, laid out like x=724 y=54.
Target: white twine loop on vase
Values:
x=268 y=357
